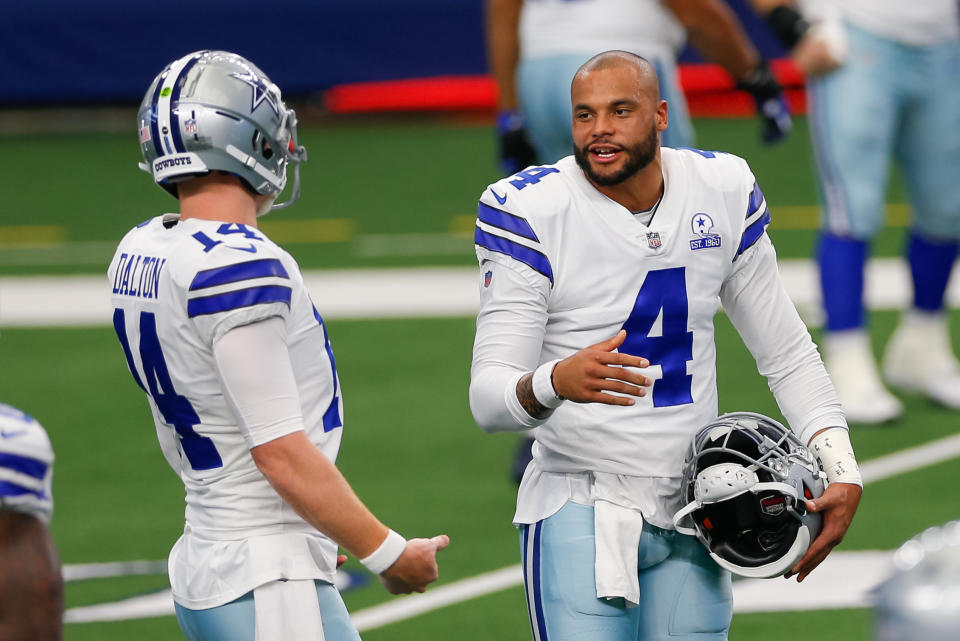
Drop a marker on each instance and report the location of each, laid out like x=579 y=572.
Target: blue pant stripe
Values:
x=537 y=592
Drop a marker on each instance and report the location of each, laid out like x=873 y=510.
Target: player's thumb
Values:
x=440 y=541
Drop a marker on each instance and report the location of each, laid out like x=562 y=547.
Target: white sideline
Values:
x=33 y=301
x=844 y=580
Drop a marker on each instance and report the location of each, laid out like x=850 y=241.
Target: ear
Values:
x=662 y=115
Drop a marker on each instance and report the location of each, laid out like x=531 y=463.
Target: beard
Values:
x=638 y=157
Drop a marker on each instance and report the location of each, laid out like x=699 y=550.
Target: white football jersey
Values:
x=919 y=23
x=26 y=465
x=592 y=268
x=587 y=27
x=178 y=287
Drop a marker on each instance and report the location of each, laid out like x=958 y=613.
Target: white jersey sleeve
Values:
x=26 y=465
x=758 y=306
x=264 y=398
x=516 y=277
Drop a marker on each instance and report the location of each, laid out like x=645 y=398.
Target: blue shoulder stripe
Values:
x=524 y=254
x=505 y=221
x=756 y=197
x=753 y=233
x=237 y=272
x=24 y=464
x=237 y=299
x=12 y=489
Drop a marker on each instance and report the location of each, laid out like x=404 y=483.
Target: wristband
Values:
x=385 y=555
x=543 y=389
x=835 y=452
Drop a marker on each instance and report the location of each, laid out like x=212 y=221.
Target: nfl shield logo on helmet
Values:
x=653 y=240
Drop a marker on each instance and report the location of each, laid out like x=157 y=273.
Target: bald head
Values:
x=625 y=62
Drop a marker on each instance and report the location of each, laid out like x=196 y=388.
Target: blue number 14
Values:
x=663 y=290
x=176 y=409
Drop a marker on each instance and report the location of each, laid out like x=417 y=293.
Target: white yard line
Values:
x=845 y=580
x=50 y=301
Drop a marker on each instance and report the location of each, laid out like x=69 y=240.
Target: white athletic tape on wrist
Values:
x=835 y=452
x=542 y=383
x=387 y=554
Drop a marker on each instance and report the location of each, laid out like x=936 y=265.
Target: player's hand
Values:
x=416 y=567
x=838 y=505
x=515 y=149
x=341 y=559
x=588 y=375
x=822 y=49
x=772 y=107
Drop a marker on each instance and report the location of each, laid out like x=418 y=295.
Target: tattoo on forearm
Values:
x=528 y=401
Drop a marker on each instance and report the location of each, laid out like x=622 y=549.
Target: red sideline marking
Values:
x=709 y=91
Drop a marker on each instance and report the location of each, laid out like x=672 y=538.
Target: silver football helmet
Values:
x=215 y=110
x=745 y=480
x=920 y=600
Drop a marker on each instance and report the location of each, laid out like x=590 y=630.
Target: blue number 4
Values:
x=663 y=290
x=176 y=409
x=532 y=176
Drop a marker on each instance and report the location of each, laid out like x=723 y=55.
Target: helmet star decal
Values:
x=262 y=92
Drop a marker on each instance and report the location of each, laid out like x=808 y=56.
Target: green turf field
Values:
x=410 y=447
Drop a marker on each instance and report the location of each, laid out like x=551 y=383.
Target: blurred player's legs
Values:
x=919 y=356
x=544 y=86
x=884 y=103
x=237 y=620
x=678 y=599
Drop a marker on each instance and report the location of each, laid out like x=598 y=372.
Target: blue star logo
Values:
x=262 y=93
x=702 y=224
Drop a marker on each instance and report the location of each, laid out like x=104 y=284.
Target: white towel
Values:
x=287 y=611
x=617 y=533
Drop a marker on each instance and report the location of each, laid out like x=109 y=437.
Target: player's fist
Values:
x=589 y=375
x=772 y=108
x=515 y=149
x=417 y=566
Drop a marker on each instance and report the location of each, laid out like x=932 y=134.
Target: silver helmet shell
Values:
x=745 y=481
x=216 y=111
x=920 y=600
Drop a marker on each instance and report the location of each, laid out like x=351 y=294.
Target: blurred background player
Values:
x=892 y=96
x=920 y=600
x=31 y=583
x=535 y=46
x=218 y=329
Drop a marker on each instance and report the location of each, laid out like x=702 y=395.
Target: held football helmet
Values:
x=215 y=110
x=745 y=479
x=920 y=600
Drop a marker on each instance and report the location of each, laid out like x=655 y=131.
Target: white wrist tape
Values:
x=387 y=554
x=835 y=452
x=543 y=385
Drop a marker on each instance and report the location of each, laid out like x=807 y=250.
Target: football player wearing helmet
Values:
x=31 y=582
x=920 y=600
x=217 y=328
x=600 y=277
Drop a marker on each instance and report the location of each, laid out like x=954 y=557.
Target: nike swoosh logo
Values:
x=252 y=249
x=500 y=199
x=4 y=434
